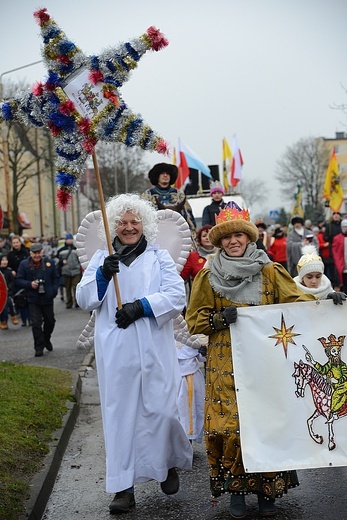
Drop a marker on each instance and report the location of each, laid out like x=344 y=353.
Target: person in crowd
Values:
x=27 y=241
x=38 y=275
x=263 y=236
x=209 y=213
x=196 y=259
x=4 y=246
x=135 y=352
x=339 y=252
x=9 y=307
x=191 y=392
x=239 y=274
x=311 y=278
x=277 y=252
x=18 y=253
x=297 y=238
x=164 y=196
x=332 y=228
x=70 y=268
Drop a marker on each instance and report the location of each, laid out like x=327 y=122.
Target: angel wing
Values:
x=173 y=235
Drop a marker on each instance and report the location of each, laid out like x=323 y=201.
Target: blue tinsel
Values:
x=50 y=35
x=66 y=47
x=129 y=140
x=146 y=140
x=109 y=128
x=7 y=111
x=62 y=121
x=68 y=156
x=94 y=62
x=113 y=81
x=53 y=78
x=111 y=66
x=133 y=53
x=64 y=179
x=121 y=62
x=66 y=68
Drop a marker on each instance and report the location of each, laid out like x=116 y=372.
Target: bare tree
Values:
x=305 y=163
x=254 y=192
x=25 y=147
x=122 y=170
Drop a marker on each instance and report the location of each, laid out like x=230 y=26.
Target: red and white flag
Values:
x=237 y=163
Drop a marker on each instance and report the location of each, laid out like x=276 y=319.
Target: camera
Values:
x=41 y=287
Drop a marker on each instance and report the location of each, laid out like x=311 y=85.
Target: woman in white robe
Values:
x=137 y=366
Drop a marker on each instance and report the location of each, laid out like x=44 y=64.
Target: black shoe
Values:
x=24 y=324
x=39 y=353
x=68 y=306
x=77 y=306
x=49 y=346
x=122 y=502
x=171 y=485
x=237 y=506
x=266 y=506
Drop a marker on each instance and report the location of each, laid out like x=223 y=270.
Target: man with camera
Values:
x=39 y=276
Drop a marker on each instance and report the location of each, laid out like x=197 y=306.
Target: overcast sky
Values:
x=267 y=70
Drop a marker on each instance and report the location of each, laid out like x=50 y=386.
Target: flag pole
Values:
x=107 y=230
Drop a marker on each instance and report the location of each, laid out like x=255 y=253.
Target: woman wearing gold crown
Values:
x=238 y=275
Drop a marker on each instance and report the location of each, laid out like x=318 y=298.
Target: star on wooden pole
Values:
x=80 y=101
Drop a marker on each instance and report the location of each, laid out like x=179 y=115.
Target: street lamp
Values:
x=4 y=142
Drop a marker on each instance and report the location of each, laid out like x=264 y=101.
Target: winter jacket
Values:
x=45 y=270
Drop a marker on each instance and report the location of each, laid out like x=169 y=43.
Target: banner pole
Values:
x=107 y=230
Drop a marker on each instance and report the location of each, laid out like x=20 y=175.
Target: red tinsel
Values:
x=63 y=59
x=41 y=16
x=89 y=144
x=54 y=129
x=158 y=39
x=84 y=126
x=96 y=77
x=63 y=199
x=37 y=89
x=67 y=107
x=162 y=147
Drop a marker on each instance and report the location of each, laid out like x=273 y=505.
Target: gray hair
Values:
x=117 y=206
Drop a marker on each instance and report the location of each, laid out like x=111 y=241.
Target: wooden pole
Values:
x=107 y=230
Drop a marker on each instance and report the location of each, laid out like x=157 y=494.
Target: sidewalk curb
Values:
x=42 y=483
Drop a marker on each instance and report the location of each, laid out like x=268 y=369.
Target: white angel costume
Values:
x=137 y=368
x=191 y=391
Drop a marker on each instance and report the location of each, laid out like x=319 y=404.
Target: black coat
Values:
x=210 y=212
x=46 y=271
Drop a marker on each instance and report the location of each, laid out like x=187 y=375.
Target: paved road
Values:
x=79 y=490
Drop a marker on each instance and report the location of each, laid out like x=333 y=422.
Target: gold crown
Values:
x=232 y=212
x=333 y=342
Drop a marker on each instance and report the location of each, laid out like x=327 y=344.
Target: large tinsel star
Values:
x=284 y=335
x=104 y=116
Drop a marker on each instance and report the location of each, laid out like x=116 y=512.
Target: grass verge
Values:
x=32 y=405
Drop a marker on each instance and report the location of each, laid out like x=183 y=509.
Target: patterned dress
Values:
x=222 y=432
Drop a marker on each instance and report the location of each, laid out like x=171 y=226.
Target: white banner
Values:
x=286 y=383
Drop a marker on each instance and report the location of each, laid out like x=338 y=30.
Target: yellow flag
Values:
x=333 y=191
x=298 y=210
x=227 y=156
x=174 y=160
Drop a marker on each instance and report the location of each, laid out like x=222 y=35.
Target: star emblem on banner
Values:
x=284 y=335
x=80 y=101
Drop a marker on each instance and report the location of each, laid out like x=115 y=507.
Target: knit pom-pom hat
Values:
x=310 y=262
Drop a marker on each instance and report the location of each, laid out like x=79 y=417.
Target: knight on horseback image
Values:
x=328 y=383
